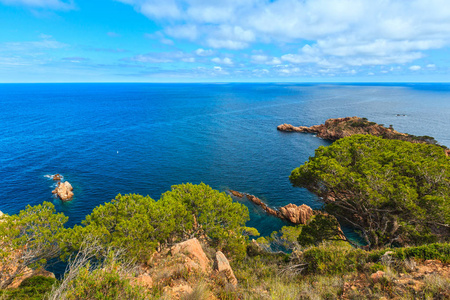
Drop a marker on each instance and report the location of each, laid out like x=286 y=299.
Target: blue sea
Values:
x=142 y=138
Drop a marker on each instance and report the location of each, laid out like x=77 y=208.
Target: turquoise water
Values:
x=142 y=138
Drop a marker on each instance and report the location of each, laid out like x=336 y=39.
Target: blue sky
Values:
x=223 y=41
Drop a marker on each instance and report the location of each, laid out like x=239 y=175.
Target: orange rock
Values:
x=192 y=249
x=64 y=191
x=236 y=194
x=254 y=199
x=222 y=265
x=296 y=214
x=57 y=177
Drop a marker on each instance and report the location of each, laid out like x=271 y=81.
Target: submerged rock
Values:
x=57 y=177
x=236 y=194
x=64 y=191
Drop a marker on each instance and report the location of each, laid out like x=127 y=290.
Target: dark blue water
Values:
x=142 y=138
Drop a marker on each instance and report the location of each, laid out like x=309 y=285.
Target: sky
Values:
x=224 y=41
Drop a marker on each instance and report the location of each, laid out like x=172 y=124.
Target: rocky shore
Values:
x=291 y=212
x=334 y=129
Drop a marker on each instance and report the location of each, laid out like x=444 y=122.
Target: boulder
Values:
x=64 y=191
x=192 y=249
x=296 y=214
x=222 y=265
x=57 y=177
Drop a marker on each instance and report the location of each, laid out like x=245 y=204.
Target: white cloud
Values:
x=50 y=4
x=32 y=46
x=340 y=33
x=202 y=52
x=188 y=59
x=224 y=61
x=264 y=59
x=415 y=68
x=163 y=57
x=159 y=36
x=259 y=59
x=431 y=66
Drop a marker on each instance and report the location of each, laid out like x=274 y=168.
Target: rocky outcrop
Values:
x=64 y=191
x=236 y=194
x=194 y=251
x=57 y=177
x=296 y=214
x=184 y=268
x=222 y=265
x=291 y=212
x=447 y=152
x=334 y=129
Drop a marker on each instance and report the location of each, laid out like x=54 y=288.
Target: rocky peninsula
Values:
x=291 y=212
x=334 y=129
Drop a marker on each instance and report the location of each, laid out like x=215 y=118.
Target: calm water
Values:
x=142 y=138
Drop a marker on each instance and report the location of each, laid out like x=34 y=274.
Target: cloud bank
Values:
x=327 y=33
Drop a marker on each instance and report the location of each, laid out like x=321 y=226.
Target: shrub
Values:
x=333 y=259
x=31 y=288
x=432 y=251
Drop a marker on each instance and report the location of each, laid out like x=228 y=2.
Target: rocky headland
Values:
x=334 y=129
x=291 y=212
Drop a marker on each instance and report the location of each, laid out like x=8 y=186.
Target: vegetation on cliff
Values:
x=394 y=192
x=117 y=255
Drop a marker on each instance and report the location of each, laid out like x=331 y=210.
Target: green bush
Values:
x=332 y=259
x=33 y=288
x=102 y=284
x=432 y=251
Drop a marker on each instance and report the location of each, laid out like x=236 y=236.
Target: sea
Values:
x=111 y=138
